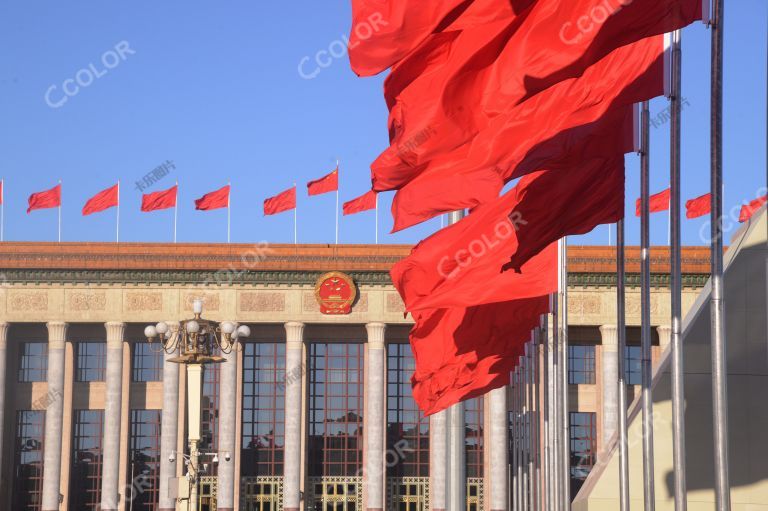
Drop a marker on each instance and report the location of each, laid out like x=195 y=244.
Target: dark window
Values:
x=264 y=383
x=28 y=460
x=210 y=405
x=144 y=460
x=90 y=361
x=407 y=428
x=473 y=410
x=335 y=409
x=147 y=362
x=33 y=361
x=581 y=364
x=85 y=478
x=633 y=365
x=583 y=431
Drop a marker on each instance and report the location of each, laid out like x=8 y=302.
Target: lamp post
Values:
x=194 y=343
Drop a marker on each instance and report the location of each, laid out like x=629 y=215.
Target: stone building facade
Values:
x=298 y=417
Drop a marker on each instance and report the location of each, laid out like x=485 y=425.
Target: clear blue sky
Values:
x=215 y=87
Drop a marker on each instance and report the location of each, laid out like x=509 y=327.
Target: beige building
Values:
x=299 y=416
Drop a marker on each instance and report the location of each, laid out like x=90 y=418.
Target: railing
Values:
x=207 y=493
x=335 y=494
x=475 y=493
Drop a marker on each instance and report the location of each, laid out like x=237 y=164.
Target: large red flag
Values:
x=515 y=138
x=105 y=199
x=160 y=200
x=283 y=201
x=438 y=103
x=750 y=209
x=699 y=206
x=44 y=200
x=214 y=200
x=385 y=32
x=327 y=183
x=462 y=353
x=658 y=202
x=365 y=202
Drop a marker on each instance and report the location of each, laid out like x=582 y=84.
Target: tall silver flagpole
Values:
x=621 y=327
x=176 y=212
x=117 y=233
x=457 y=486
x=537 y=430
x=649 y=490
x=678 y=392
x=719 y=360
x=565 y=424
x=2 y=209
x=556 y=408
x=532 y=482
x=515 y=446
x=547 y=458
x=525 y=454
x=337 y=201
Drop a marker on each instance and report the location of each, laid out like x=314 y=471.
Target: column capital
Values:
x=294 y=331
x=376 y=333
x=4 y=326
x=665 y=335
x=57 y=334
x=115 y=332
x=609 y=337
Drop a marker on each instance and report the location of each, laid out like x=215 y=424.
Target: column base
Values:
x=290 y=509
x=374 y=509
x=225 y=508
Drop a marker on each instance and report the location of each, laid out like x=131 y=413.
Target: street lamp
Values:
x=194 y=344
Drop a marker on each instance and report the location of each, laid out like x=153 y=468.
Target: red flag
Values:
x=750 y=209
x=462 y=353
x=515 y=138
x=365 y=202
x=327 y=183
x=44 y=200
x=385 y=32
x=105 y=199
x=493 y=67
x=214 y=200
x=281 y=202
x=658 y=202
x=699 y=206
x=160 y=200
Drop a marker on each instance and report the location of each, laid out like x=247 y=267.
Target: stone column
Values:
x=665 y=336
x=438 y=461
x=169 y=427
x=293 y=370
x=112 y=408
x=3 y=361
x=610 y=383
x=374 y=418
x=54 y=416
x=227 y=425
x=499 y=457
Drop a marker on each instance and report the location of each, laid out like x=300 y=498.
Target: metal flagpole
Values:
x=621 y=328
x=515 y=445
x=457 y=493
x=547 y=445
x=565 y=417
x=337 y=202
x=2 y=210
x=229 y=212
x=717 y=308
x=117 y=233
x=524 y=454
x=59 y=212
x=678 y=392
x=649 y=490
x=377 y=218
x=295 y=220
x=176 y=212
x=537 y=427
x=555 y=406
x=529 y=362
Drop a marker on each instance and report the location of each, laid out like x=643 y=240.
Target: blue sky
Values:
x=216 y=88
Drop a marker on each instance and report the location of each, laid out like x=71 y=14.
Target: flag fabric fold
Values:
x=156 y=201
x=327 y=183
x=365 y=202
x=214 y=200
x=699 y=206
x=463 y=353
x=658 y=202
x=750 y=209
x=45 y=199
x=284 y=201
x=105 y=199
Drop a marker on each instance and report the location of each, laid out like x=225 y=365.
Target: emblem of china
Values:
x=335 y=292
